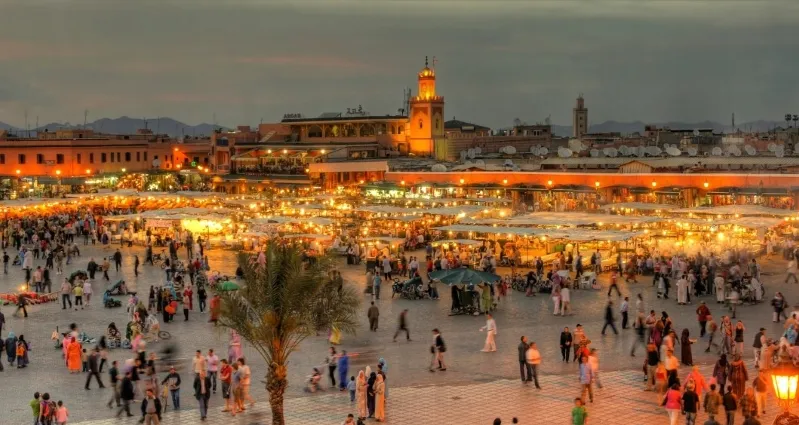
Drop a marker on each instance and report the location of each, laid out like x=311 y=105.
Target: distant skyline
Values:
x=247 y=60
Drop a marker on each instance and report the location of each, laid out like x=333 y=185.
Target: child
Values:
x=61 y=414
x=351 y=389
x=85 y=359
x=579 y=414
x=660 y=379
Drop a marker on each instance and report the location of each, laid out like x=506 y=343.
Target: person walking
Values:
x=609 y=319
x=712 y=403
x=66 y=291
x=126 y=392
x=672 y=402
x=61 y=413
x=761 y=391
x=373 y=314
x=202 y=392
x=212 y=362
x=136 y=265
x=117 y=260
x=225 y=375
x=361 y=395
x=523 y=364
x=702 y=314
x=151 y=408
x=685 y=347
x=380 y=398
x=757 y=345
x=438 y=349
x=186 y=305
x=172 y=382
x=491 y=332
x=403 y=325
x=730 y=403
x=113 y=376
x=586 y=379
x=579 y=413
x=652 y=363
x=711 y=328
x=533 y=362
x=790 y=273
x=625 y=306
x=640 y=334
x=690 y=404
x=78 y=292
x=565 y=344
x=94 y=370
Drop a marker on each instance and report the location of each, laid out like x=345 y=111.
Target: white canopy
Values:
x=468 y=242
x=742 y=210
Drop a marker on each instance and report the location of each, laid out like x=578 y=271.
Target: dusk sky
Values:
x=248 y=60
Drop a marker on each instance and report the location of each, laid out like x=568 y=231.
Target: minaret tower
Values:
x=426 y=134
x=579 y=118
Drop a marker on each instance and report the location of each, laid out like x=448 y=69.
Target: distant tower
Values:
x=426 y=117
x=579 y=118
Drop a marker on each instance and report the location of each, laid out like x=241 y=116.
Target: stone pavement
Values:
x=468 y=367
x=622 y=401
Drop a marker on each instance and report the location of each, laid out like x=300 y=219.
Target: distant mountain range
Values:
x=626 y=128
x=126 y=125
x=175 y=128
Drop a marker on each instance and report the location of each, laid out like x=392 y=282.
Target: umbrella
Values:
x=463 y=275
x=228 y=286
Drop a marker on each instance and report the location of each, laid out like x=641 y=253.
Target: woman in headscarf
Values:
x=685 y=348
x=11 y=345
x=22 y=351
x=382 y=368
x=738 y=376
x=380 y=399
x=74 y=356
x=721 y=371
x=370 y=394
x=698 y=381
x=360 y=389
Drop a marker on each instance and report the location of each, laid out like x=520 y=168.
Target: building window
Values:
x=39 y=158
x=78 y=159
x=421 y=124
x=21 y=158
x=103 y=157
x=91 y=158
x=112 y=157
x=196 y=159
x=2 y=158
x=59 y=158
x=138 y=156
x=119 y=157
x=127 y=156
x=145 y=156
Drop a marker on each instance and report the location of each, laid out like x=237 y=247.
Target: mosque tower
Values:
x=426 y=135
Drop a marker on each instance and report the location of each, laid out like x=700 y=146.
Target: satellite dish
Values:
x=750 y=150
x=692 y=151
x=640 y=151
x=156 y=163
x=480 y=163
x=508 y=163
x=463 y=156
x=534 y=150
x=653 y=150
x=735 y=150
x=796 y=148
x=594 y=153
x=696 y=132
x=716 y=151
x=565 y=153
x=543 y=151
x=624 y=150
x=606 y=151
x=510 y=150
x=666 y=146
x=438 y=168
x=673 y=151
x=772 y=147
x=779 y=154
x=576 y=145
x=478 y=150
x=470 y=153
x=613 y=152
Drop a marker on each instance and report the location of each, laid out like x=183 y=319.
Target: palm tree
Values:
x=787 y=120
x=280 y=304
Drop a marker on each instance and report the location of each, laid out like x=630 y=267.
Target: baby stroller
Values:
x=109 y=301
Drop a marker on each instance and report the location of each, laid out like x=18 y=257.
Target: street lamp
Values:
x=706 y=184
x=784 y=379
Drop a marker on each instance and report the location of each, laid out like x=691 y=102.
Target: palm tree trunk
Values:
x=276 y=384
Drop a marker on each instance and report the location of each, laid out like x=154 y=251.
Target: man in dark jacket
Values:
x=94 y=370
x=126 y=393
x=609 y=319
x=202 y=392
x=151 y=409
x=91 y=268
x=523 y=365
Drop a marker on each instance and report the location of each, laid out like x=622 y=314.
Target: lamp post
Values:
x=784 y=379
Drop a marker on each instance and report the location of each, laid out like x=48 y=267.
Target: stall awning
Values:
x=348 y=167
